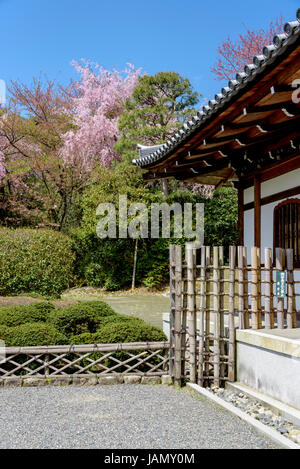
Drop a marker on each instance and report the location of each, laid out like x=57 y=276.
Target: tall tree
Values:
x=155 y=110
x=97 y=99
x=51 y=139
x=233 y=55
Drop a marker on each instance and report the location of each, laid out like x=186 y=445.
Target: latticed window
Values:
x=287 y=227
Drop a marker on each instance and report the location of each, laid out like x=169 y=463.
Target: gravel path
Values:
x=120 y=416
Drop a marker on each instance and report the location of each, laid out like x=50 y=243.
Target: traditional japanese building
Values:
x=247 y=136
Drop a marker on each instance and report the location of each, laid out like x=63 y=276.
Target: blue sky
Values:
x=43 y=36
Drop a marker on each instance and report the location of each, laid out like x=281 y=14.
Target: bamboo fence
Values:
x=141 y=358
x=210 y=298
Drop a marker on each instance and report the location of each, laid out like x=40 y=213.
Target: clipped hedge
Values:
x=81 y=318
x=35 y=260
x=12 y=316
x=128 y=331
x=90 y=338
x=4 y=333
x=87 y=322
x=34 y=334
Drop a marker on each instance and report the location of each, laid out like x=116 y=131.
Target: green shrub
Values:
x=120 y=318
x=131 y=330
x=90 y=338
x=35 y=260
x=34 y=334
x=84 y=338
x=128 y=331
x=16 y=315
x=80 y=318
x=4 y=333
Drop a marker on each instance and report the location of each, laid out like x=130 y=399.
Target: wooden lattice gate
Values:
x=209 y=299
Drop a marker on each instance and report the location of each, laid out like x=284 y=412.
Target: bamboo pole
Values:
x=231 y=326
x=291 y=310
x=216 y=308
x=134 y=263
x=280 y=265
x=47 y=365
x=246 y=290
x=189 y=255
x=201 y=316
x=269 y=310
x=241 y=284
x=184 y=319
x=178 y=311
x=172 y=309
x=85 y=348
x=207 y=314
x=221 y=310
x=259 y=303
x=256 y=294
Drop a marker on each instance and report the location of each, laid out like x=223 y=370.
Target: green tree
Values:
x=156 y=108
x=110 y=262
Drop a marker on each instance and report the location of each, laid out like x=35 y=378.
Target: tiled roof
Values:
x=145 y=151
x=281 y=42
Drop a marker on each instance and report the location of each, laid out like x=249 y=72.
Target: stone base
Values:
x=269 y=362
x=83 y=380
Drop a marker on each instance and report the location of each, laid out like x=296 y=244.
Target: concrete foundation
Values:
x=269 y=361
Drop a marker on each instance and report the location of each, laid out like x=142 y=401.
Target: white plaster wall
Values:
x=279 y=184
x=272 y=373
x=273 y=186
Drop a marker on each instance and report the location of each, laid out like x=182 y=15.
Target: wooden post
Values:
x=134 y=263
x=201 y=316
x=221 y=310
x=183 y=319
x=241 y=215
x=257 y=211
x=172 y=309
x=47 y=366
x=207 y=314
x=246 y=290
x=178 y=311
x=231 y=325
x=291 y=310
x=280 y=266
x=190 y=263
x=241 y=294
x=269 y=310
x=216 y=309
x=256 y=298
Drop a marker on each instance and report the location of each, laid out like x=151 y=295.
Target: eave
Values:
x=247 y=129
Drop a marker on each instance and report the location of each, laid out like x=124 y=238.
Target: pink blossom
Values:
x=97 y=104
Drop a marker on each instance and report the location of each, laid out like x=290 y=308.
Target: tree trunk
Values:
x=134 y=264
x=165 y=187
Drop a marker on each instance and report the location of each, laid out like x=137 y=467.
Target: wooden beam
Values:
x=224 y=180
x=257 y=211
x=274 y=197
x=272 y=170
x=241 y=215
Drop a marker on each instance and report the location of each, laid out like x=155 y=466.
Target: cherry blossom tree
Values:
x=51 y=139
x=97 y=100
x=234 y=55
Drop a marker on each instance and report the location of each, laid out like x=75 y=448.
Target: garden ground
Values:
x=119 y=417
x=140 y=303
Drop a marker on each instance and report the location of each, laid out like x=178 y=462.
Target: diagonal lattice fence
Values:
x=141 y=358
